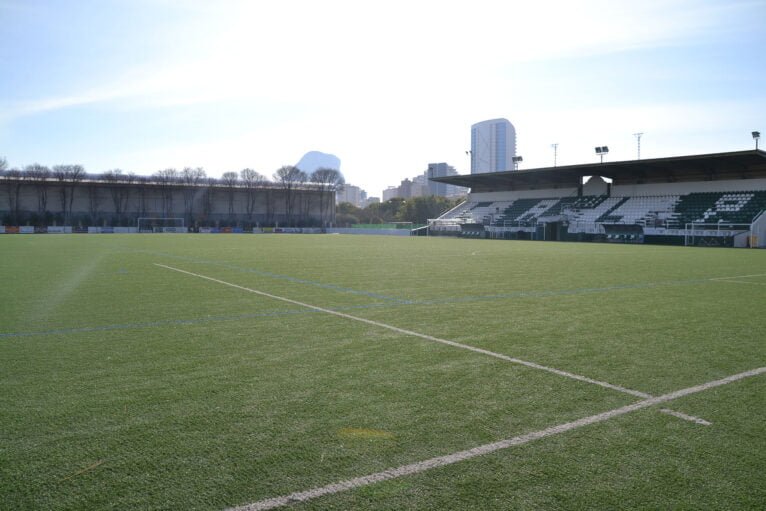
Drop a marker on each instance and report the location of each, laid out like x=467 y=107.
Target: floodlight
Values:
x=601 y=151
x=756 y=136
x=516 y=160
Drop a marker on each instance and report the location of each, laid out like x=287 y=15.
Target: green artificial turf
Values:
x=124 y=384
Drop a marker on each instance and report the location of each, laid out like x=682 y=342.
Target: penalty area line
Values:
x=685 y=417
x=412 y=333
x=454 y=344
x=732 y=281
x=440 y=461
x=736 y=279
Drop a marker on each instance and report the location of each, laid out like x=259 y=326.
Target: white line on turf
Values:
x=685 y=417
x=422 y=336
x=525 y=363
x=440 y=461
x=739 y=276
x=732 y=281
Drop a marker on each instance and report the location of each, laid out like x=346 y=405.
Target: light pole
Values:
x=638 y=142
x=470 y=161
x=555 y=152
x=756 y=137
x=516 y=160
x=601 y=151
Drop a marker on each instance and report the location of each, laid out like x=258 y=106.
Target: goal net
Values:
x=152 y=224
x=714 y=234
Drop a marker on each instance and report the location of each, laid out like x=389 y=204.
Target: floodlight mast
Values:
x=516 y=160
x=555 y=152
x=638 y=142
x=756 y=137
x=601 y=151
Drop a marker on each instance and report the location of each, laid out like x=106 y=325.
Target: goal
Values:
x=716 y=234
x=152 y=224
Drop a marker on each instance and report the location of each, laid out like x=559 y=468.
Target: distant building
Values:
x=441 y=189
x=422 y=186
x=407 y=189
x=352 y=194
x=493 y=145
x=390 y=193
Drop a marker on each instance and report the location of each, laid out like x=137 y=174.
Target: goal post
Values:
x=157 y=224
x=697 y=232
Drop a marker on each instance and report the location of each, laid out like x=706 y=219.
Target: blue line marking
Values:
x=288 y=278
x=442 y=301
x=561 y=292
x=149 y=324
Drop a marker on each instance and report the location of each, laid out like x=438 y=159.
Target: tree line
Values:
x=65 y=179
x=416 y=210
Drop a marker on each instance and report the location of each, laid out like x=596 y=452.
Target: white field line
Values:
x=454 y=344
x=440 y=461
x=685 y=417
x=735 y=279
x=513 y=360
x=732 y=281
x=739 y=276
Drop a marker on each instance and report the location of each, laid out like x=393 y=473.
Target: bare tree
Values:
x=119 y=189
x=142 y=187
x=14 y=182
x=329 y=182
x=270 y=205
x=207 y=198
x=39 y=175
x=76 y=175
x=289 y=179
x=252 y=181
x=68 y=177
x=61 y=174
x=94 y=201
x=166 y=179
x=191 y=178
x=230 y=182
x=3 y=167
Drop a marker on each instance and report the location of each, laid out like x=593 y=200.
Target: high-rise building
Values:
x=390 y=193
x=441 y=170
x=352 y=194
x=493 y=145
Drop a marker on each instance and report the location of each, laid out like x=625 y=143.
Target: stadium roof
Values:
x=702 y=167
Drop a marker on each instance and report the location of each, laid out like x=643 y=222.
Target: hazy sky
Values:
x=388 y=87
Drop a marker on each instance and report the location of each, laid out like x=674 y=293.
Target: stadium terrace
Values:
x=707 y=200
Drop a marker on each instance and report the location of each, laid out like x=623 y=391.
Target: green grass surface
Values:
x=127 y=385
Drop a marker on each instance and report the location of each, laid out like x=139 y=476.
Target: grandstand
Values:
x=711 y=199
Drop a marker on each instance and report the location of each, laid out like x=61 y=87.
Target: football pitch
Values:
x=371 y=372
